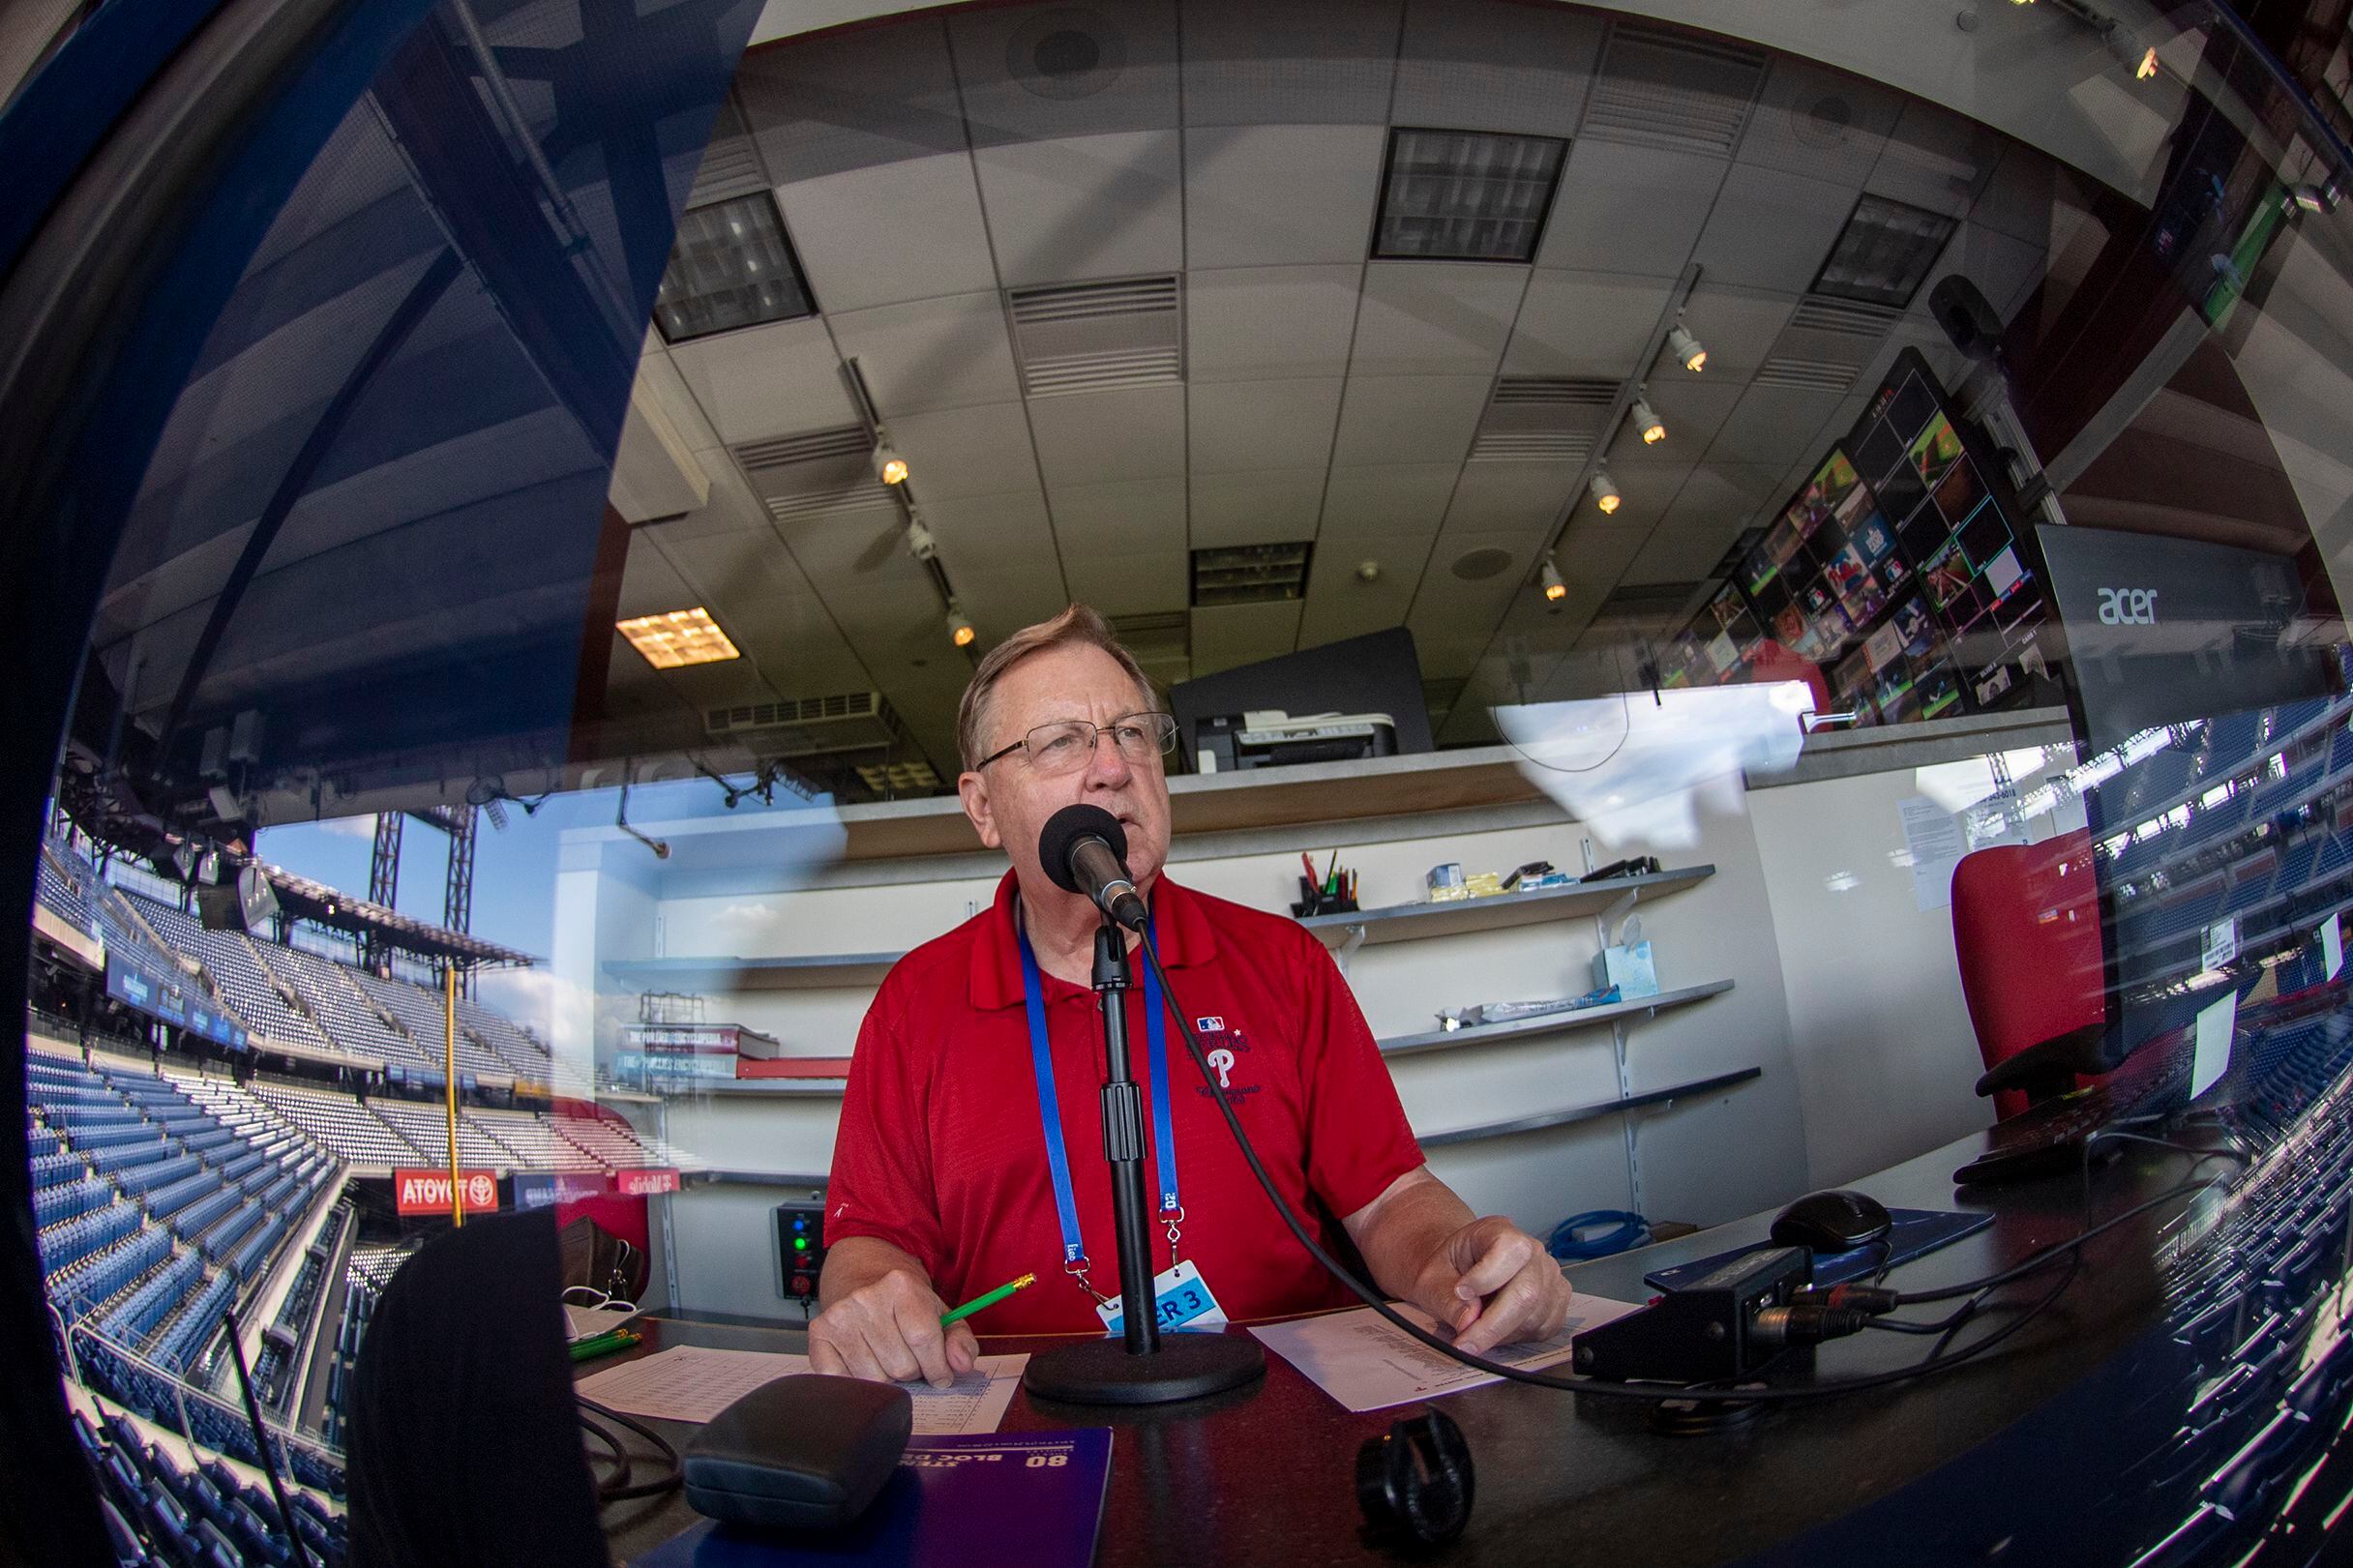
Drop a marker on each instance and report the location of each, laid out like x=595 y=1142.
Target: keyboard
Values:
x=2050 y=1133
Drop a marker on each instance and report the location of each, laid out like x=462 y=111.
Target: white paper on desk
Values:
x=692 y=1382
x=1359 y=1359
x=586 y=1323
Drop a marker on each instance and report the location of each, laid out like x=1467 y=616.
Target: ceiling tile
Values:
x=897 y=231
x=1771 y=230
x=1684 y=548
x=730 y=507
x=1508 y=497
x=2021 y=197
x=928 y=354
x=1629 y=209
x=1237 y=427
x=781 y=379
x=1817 y=122
x=1000 y=602
x=1583 y=323
x=1737 y=326
x=1935 y=159
x=1408 y=419
x=1078 y=207
x=658 y=380
x=981 y=450
x=1300 y=62
x=650 y=585
x=2004 y=269
x=1454 y=617
x=1391 y=500
x=1251 y=323
x=799 y=648
x=1342 y=605
x=1773 y=424
x=1269 y=508
x=1143 y=583
x=1227 y=636
x=1435 y=317
x=747 y=565
x=1034 y=71
x=1591 y=555
x=828 y=105
x=994 y=533
x=1260 y=196
x=1489 y=65
x=1095 y=437
x=853 y=551
x=1122 y=517
x=1743 y=494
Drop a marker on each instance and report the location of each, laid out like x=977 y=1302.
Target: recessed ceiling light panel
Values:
x=731 y=266
x=679 y=638
x=1466 y=196
x=1884 y=252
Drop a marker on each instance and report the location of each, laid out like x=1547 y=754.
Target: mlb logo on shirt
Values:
x=1214 y=1024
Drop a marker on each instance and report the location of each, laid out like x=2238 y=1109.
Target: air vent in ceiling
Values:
x=808 y=726
x=800 y=476
x=730 y=168
x=850 y=441
x=1097 y=336
x=1544 y=419
x=1807 y=375
x=1249 y=573
x=1817 y=312
x=1662 y=88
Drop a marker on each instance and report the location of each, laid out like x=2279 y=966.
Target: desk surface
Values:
x=1265 y=1474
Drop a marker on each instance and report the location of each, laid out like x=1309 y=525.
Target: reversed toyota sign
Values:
x=427 y=1191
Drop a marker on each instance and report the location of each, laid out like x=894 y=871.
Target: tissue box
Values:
x=1627 y=965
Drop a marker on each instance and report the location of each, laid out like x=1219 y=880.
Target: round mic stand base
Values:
x=1185 y=1367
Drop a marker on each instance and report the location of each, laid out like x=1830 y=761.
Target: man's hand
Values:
x=1492 y=1284
x=888 y=1330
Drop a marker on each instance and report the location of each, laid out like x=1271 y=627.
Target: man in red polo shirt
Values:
x=943 y=1181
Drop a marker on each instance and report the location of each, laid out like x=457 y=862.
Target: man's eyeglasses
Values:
x=1066 y=745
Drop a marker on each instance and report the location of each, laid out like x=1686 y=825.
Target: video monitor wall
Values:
x=1897 y=570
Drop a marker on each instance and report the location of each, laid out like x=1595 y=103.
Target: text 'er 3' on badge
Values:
x=1184 y=1301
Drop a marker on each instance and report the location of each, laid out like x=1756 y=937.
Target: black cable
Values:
x=2043 y=1256
x=668 y=1481
x=261 y=1439
x=1591 y=1385
x=622 y=1462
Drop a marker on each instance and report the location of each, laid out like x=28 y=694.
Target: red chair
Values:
x=2026 y=929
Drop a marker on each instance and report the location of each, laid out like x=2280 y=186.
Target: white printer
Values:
x=1269 y=737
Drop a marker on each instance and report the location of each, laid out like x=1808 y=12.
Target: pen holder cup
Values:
x=1314 y=900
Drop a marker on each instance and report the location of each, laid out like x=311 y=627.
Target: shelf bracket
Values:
x=1348 y=949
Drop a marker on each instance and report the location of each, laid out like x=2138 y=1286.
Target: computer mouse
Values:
x=1835 y=1221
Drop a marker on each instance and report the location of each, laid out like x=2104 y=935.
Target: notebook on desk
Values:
x=1029 y=1499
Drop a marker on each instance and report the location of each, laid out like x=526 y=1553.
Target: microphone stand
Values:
x=1141 y=1367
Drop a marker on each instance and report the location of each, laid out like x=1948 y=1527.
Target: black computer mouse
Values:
x=1835 y=1221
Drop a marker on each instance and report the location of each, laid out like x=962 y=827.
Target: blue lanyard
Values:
x=1050 y=1110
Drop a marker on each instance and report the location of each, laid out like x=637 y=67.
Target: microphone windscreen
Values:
x=1061 y=834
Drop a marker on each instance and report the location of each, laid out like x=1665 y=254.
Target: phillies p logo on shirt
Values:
x=1223 y=1046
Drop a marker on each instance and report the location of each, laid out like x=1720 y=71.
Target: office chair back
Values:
x=2026 y=929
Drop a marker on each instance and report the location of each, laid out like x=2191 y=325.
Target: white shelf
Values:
x=1409 y=922
x=1480 y=1034
x=806 y=972
x=1578 y=1113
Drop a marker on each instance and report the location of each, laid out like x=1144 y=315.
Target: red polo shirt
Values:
x=942 y=1150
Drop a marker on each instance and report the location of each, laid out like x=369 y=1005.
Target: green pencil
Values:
x=989 y=1300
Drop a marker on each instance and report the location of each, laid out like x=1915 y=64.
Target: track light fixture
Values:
x=919 y=540
x=1605 y=493
x=1556 y=587
x=1688 y=351
x=960 y=630
x=889 y=467
x=1646 y=420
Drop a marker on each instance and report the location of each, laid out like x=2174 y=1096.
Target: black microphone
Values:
x=1083 y=848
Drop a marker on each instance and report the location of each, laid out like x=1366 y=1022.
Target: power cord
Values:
x=619 y=1488
x=1936 y=1361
